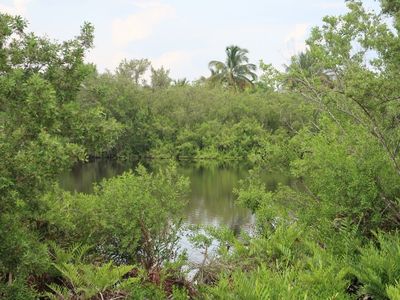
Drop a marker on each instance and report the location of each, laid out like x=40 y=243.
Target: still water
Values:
x=211 y=200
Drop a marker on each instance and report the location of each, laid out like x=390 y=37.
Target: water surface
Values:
x=211 y=200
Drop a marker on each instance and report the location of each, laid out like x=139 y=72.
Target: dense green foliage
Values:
x=331 y=120
x=39 y=83
x=129 y=218
x=193 y=121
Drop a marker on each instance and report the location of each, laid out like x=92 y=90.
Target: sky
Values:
x=181 y=35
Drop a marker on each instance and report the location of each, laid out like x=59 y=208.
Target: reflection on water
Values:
x=211 y=200
x=82 y=176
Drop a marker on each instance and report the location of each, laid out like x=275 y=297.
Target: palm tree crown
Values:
x=236 y=72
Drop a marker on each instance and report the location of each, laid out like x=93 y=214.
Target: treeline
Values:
x=331 y=120
x=191 y=121
x=210 y=118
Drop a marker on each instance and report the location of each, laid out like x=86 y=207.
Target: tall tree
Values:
x=43 y=131
x=236 y=71
x=160 y=78
x=362 y=86
x=359 y=51
x=133 y=69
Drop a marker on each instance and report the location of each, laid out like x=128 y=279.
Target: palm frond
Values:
x=236 y=71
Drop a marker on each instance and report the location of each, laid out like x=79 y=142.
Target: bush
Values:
x=378 y=268
x=131 y=218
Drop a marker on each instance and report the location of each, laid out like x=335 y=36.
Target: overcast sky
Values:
x=182 y=35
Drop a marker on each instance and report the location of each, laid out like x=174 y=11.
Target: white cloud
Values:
x=106 y=57
x=18 y=7
x=181 y=63
x=173 y=59
x=140 y=25
x=295 y=40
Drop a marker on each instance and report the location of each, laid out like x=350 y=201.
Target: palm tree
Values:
x=236 y=71
x=305 y=65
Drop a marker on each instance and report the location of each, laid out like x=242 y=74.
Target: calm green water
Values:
x=211 y=201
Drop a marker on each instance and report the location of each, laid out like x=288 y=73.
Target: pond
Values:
x=211 y=200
